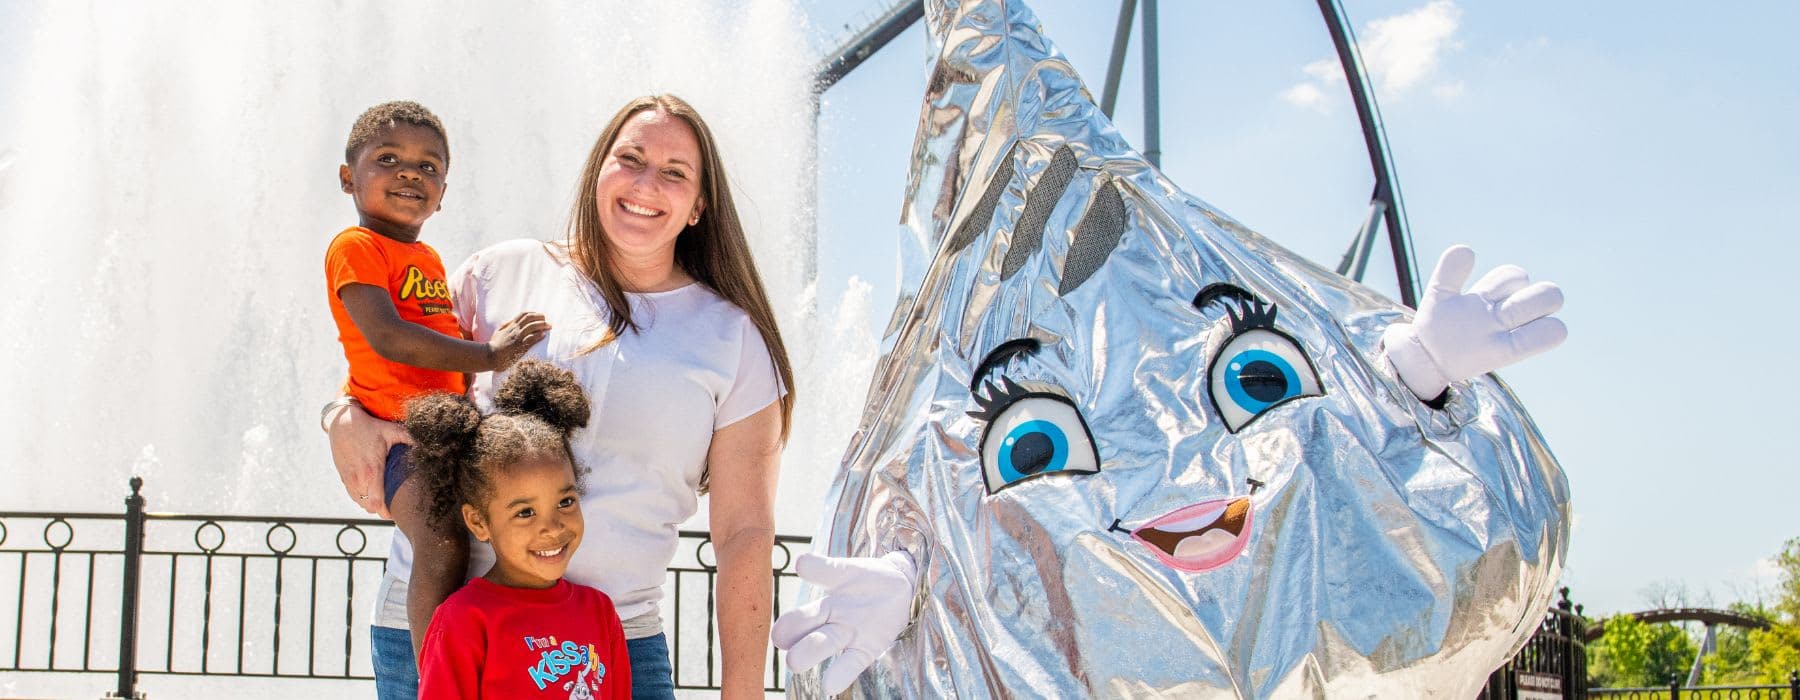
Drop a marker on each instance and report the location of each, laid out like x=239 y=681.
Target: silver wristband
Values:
x=339 y=402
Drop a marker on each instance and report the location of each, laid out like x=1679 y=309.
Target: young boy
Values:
x=392 y=306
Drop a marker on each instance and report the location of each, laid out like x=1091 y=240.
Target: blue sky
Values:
x=1642 y=155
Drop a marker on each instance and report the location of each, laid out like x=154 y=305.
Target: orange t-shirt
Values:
x=414 y=277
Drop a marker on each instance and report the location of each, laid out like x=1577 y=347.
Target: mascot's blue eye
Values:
x=1032 y=448
x=1258 y=379
x=1257 y=370
x=1035 y=434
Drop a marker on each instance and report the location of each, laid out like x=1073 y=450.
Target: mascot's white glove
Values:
x=1456 y=335
x=867 y=603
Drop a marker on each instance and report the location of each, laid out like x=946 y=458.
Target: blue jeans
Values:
x=396 y=672
x=652 y=678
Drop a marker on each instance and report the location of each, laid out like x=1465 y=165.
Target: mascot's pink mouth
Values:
x=1200 y=537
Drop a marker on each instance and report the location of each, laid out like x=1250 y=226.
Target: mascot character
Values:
x=1119 y=445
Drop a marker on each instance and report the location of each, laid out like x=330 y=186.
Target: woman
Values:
x=656 y=306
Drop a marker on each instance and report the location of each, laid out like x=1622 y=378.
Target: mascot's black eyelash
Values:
x=1250 y=315
x=997 y=397
x=994 y=397
x=1246 y=311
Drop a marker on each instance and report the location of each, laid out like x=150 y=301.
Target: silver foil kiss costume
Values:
x=1137 y=450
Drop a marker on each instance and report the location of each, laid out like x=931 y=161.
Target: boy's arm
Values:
x=397 y=340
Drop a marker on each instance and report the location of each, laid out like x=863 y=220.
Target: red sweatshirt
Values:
x=493 y=641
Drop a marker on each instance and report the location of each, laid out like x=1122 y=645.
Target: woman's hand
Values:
x=359 y=447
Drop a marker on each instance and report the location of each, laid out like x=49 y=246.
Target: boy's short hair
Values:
x=387 y=114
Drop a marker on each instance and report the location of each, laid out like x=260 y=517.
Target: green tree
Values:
x=1731 y=661
x=1633 y=654
x=1787 y=592
x=1775 y=652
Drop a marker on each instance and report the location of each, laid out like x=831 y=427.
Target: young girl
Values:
x=518 y=631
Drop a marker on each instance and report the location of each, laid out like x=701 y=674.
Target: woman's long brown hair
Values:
x=714 y=251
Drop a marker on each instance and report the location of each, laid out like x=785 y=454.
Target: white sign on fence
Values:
x=1539 y=686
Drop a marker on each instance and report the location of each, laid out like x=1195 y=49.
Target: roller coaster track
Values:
x=1385 y=204
x=1706 y=616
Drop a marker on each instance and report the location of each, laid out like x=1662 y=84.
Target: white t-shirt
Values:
x=696 y=364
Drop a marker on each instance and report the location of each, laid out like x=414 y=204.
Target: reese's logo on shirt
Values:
x=433 y=295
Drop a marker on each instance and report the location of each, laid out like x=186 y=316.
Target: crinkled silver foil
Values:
x=1385 y=549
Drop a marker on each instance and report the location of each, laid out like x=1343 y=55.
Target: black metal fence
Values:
x=286 y=597
x=1674 y=691
x=1553 y=661
x=253 y=596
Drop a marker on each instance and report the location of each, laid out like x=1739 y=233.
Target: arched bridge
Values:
x=1706 y=616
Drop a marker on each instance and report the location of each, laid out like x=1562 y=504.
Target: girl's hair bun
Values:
x=443 y=426
x=546 y=392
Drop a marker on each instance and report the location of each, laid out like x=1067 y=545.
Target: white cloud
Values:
x=1307 y=95
x=1401 y=54
x=1402 y=50
x=1324 y=70
x=1765 y=571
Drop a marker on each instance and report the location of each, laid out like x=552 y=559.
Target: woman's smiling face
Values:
x=533 y=520
x=649 y=185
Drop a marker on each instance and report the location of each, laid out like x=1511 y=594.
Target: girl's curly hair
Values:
x=456 y=449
